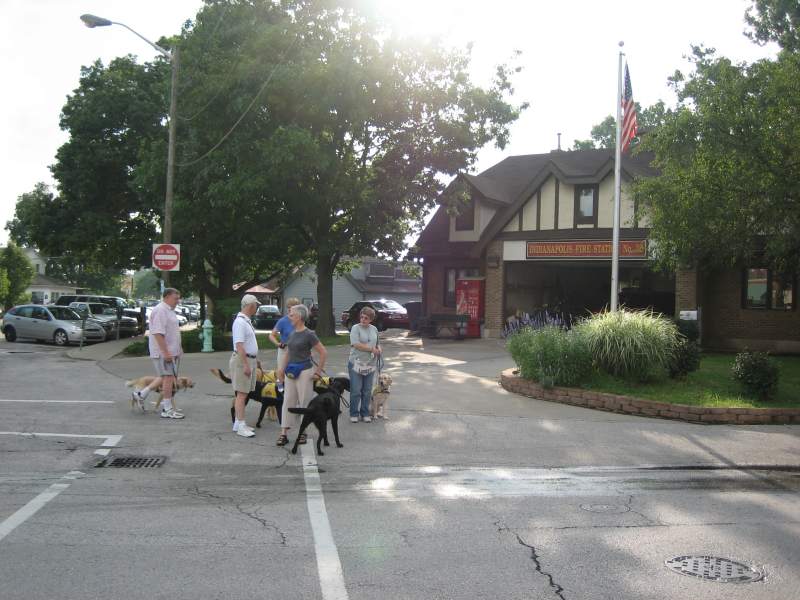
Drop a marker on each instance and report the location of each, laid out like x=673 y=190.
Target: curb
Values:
x=629 y=405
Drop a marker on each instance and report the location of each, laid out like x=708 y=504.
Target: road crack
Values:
x=557 y=589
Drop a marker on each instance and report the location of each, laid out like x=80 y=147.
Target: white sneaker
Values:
x=354 y=419
x=367 y=419
x=170 y=414
x=137 y=397
x=245 y=431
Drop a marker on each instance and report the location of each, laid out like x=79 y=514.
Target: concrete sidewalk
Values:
x=103 y=350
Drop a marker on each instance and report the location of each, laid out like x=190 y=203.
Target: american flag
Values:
x=628 y=113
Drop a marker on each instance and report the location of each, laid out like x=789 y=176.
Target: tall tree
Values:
x=5 y=285
x=775 y=21
x=729 y=187
x=19 y=273
x=349 y=134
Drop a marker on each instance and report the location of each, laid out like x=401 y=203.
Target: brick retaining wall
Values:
x=648 y=408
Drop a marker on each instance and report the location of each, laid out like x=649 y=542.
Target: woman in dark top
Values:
x=297 y=372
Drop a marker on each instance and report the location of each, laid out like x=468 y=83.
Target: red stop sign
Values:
x=166 y=257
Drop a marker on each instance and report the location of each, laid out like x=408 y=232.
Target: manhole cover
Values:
x=713 y=568
x=132 y=462
x=605 y=508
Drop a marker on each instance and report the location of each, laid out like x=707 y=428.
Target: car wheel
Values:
x=60 y=338
x=10 y=333
x=380 y=325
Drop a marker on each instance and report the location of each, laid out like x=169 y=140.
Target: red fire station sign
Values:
x=167 y=257
x=585 y=249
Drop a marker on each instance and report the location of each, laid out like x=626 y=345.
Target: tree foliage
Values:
x=306 y=132
x=342 y=151
x=19 y=274
x=729 y=187
x=146 y=284
x=775 y=21
x=604 y=134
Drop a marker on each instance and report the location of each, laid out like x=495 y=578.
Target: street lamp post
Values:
x=93 y=21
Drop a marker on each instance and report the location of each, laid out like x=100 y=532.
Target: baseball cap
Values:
x=249 y=299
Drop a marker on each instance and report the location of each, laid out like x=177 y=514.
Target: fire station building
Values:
x=537 y=229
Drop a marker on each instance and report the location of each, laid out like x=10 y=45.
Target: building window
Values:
x=465 y=221
x=586 y=204
x=451 y=275
x=764 y=289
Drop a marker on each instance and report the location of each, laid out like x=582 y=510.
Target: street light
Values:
x=92 y=21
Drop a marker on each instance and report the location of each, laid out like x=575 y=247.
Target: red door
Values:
x=470 y=301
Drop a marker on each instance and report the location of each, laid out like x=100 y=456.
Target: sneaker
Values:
x=245 y=432
x=354 y=419
x=137 y=397
x=170 y=414
x=367 y=419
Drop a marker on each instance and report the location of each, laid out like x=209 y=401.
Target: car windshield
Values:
x=392 y=305
x=62 y=313
x=97 y=308
x=269 y=310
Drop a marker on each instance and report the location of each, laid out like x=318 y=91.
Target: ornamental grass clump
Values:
x=757 y=373
x=551 y=356
x=633 y=345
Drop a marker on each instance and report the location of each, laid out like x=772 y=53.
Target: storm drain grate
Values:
x=713 y=568
x=133 y=462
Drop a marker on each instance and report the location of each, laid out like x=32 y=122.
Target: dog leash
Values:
x=175 y=388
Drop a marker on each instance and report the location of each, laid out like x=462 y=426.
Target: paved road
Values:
x=466 y=492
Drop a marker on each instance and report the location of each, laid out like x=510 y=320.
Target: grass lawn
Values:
x=711 y=385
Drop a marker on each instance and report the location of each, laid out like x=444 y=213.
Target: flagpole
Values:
x=617 y=177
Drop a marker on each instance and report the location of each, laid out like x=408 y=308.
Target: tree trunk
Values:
x=325 y=266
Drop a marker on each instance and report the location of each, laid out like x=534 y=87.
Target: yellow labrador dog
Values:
x=379 y=405
x=183 y=383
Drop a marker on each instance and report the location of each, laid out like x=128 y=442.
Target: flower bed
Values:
x=648 y=408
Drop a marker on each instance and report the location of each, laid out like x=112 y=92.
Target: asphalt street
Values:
x=466 y=492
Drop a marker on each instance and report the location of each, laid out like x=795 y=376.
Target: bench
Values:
x=432 y=325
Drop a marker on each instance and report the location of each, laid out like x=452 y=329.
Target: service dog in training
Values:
x=322 y=408
x=266 y=393
x=379 y=404
x=182 y=383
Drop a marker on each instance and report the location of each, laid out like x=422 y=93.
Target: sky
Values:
x=569 y=59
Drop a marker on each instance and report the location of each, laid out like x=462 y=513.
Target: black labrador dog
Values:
x=323 y=407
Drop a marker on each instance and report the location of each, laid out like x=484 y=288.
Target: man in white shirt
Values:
x=165 y=352
x=243 y=362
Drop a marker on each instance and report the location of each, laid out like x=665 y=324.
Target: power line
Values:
x=246 y=110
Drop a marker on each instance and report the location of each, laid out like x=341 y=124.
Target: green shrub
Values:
x=685 y=358
x=551 y=356
x=757 y=373
x=632 y=345
x=190 y=342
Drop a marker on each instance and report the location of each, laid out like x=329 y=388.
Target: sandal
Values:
x=282 y=440
x=301 y=439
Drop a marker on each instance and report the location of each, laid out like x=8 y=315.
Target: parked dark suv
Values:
x=112 y=301
x=388 y=313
